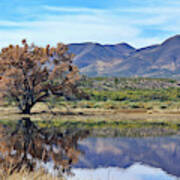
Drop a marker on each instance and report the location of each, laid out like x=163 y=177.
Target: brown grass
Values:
x=41 y=112
x=24 y=175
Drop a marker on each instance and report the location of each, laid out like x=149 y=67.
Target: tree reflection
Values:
x=28 y=146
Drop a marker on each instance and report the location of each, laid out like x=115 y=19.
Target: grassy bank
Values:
x=114 y=103
x=101 y=122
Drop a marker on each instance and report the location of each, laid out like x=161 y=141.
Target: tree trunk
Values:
x=27 y=109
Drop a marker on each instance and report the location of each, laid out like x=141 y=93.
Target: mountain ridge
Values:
x=123 y=60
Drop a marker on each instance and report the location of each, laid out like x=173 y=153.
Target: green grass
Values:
x=107 y=124
x=137 y=95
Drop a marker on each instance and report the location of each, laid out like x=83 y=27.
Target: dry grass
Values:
x=40 y=112
x=24 y=175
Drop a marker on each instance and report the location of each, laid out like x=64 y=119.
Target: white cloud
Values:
x=72 y=9
x=69 y=29
x=73 y=31
x=86 y=24
x=8 y=23
x=152 y=10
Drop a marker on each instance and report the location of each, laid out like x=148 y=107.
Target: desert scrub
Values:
x=170 y=94
x=106 y=93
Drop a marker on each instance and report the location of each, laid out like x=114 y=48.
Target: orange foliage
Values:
x=29 y=74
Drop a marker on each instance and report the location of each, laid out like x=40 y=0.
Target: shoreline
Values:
x=132 y=123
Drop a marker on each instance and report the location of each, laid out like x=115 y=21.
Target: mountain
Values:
x=161 y=60
x=89 y=53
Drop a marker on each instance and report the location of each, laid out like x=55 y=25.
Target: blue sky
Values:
x=137 y=22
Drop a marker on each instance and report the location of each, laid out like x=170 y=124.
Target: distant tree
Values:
x=29 y=74
x=116 y=81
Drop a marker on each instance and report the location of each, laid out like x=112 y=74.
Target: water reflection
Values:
x=160 y=152
x=135 y=172
x=29 y=146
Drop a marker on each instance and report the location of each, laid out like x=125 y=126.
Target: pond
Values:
x=80 y=154
x=106 y=158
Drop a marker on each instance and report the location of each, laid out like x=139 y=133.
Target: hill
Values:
x=123 y=60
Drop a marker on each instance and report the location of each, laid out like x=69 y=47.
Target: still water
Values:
x=79 y=154
x=128 y=159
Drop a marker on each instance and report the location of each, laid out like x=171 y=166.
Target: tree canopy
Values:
x=29 y=74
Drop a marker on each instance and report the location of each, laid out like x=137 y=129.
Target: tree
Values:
x=29 y=74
